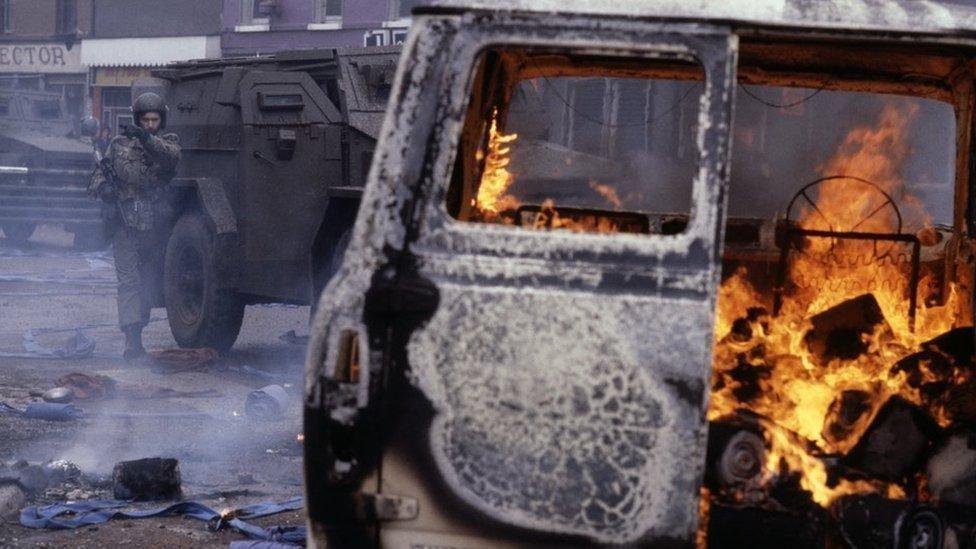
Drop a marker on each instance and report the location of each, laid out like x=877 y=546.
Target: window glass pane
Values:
x=786 y=137
x=555 y=141
x=46 y=108
x=333 y=8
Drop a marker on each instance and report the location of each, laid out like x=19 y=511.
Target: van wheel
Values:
x=200 y=313
x=18 y=232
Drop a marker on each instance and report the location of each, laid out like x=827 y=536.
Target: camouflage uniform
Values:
x=135 y=215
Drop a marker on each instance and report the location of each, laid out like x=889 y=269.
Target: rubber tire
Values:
x=18 y=232
x=219 y=313
x=90 y=240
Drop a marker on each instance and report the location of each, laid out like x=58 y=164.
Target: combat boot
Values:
x=133 y=342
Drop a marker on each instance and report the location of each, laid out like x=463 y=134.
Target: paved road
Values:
x=226 y=459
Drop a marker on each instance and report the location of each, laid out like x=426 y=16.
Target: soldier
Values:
x=132 y=183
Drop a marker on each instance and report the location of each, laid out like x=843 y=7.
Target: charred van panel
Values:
x=554 y=413
x=521 y=381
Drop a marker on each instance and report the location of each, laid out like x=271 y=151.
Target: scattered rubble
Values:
x=147 y=479
x=59 y=395
x=267 y=403
x=52 y=411
x=758 y=528
x=172 y=361
x=895 y=443
x=840 y=331
x=87 y=387
x=869 y=521
x=847 y=415
x=12 y=500
x=951 y=471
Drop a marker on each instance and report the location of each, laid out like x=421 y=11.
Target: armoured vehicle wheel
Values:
x=18 y=232
x=200 y=313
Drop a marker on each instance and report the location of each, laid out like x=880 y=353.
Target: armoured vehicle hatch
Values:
x=44 y=168
x=541 y=307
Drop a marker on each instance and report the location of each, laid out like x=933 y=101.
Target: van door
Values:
x=523 y=323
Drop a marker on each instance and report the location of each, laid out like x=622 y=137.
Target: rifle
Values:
x=103 y=164
x=132 y=212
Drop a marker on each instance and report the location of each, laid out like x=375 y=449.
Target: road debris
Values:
x=895 y=442
x=49 y=411
x=147 y=479
x=87 y=386
x=267 y=403
x=66 y=516
x=76 y=347
x=293 y=338
x=174 y=361
x=12 y=500
x=58 y=395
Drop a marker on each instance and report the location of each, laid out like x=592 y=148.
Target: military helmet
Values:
x=89 y=127
x=149 y=102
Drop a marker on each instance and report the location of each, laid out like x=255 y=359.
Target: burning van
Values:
x=656 y=273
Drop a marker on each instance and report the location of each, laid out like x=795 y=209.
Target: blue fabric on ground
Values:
x=52 y=411
x=8 y=409
x=85 y=513
x=260 y=545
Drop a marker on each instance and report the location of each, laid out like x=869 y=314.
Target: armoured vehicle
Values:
x=274 y=155
x=44 y=169
x=561 y=269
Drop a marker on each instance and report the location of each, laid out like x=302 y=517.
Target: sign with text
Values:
x=40 y=58
x=119 y=76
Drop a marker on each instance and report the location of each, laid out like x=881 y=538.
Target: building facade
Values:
x=131 y=37
x=253 y=27
x=40 y=47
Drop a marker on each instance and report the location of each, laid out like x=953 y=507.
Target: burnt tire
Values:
x=201 y=314
x=18 y=232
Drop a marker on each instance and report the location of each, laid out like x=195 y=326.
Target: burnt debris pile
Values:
x=888 y=461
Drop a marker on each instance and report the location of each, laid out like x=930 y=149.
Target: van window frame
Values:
x=661 y=258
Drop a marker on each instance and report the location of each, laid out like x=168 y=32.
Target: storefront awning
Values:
x=147 y=52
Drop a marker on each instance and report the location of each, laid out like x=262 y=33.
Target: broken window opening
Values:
x=555 y=141
x=839 y=276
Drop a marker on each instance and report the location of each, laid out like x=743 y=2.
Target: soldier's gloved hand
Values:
x=136 y=132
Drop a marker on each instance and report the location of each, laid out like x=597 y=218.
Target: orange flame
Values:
x=493 y=196
x=796 y=388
